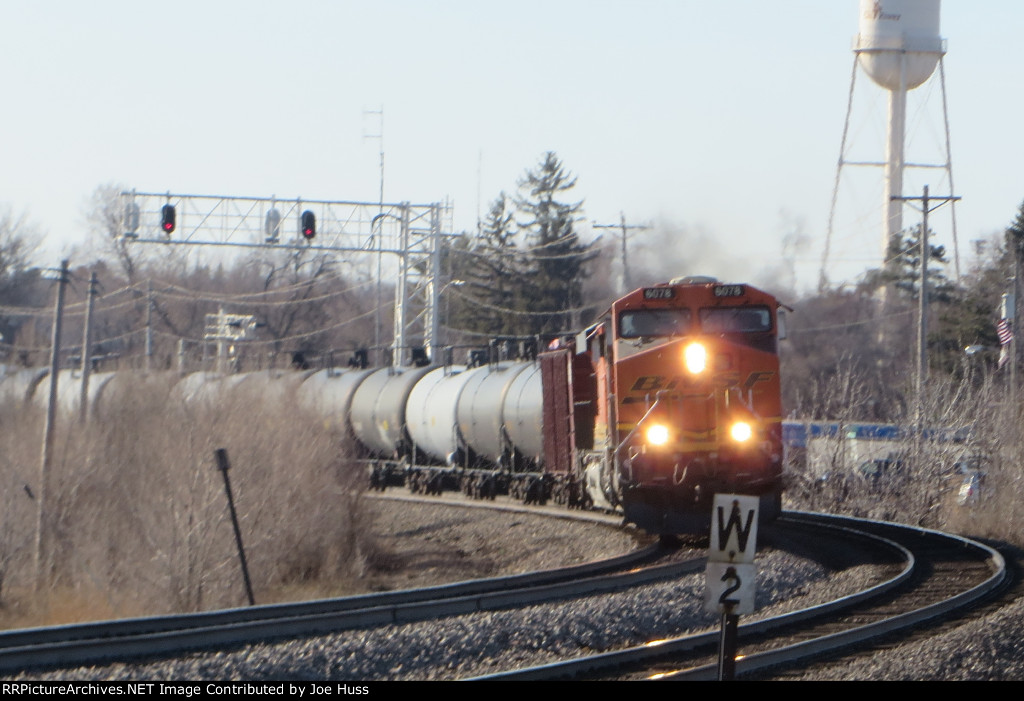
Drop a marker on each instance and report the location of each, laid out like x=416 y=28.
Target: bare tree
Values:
x=106 y=230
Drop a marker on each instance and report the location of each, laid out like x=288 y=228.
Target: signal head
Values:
x=167 y=218
x=272 y=227
x=307 y=225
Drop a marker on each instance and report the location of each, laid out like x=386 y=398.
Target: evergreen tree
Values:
x=904 y=274
x=493 y=273
x=558 y=260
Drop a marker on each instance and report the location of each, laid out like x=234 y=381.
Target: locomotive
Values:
x=670 y=396
x=674 y=396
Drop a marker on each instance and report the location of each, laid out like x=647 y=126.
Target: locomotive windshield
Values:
x=654 y=322
x=736 y=320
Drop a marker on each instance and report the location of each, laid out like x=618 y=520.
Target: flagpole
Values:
x=1013 y=338
x=1008 y=339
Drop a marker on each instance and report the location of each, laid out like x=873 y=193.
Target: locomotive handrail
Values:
x=657 y=400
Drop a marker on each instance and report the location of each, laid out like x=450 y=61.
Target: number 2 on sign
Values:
x=730 y=575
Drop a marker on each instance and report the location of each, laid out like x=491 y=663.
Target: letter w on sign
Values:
x=733 y=529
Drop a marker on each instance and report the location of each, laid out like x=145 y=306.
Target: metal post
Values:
x=433 y=326
x=149 y=325
x=727 y=647
x=922 y=313
x=377 y=335
x=51 y=417
x=378 y=349
x=398 y=354
x=221 y=345
x=378 y=221
x=223 y=465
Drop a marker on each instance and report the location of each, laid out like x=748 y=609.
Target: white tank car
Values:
x=329 y=393
x=431 y=412
x=481 y=413
x=378 y=408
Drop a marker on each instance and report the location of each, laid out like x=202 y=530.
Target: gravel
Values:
x=432 y=544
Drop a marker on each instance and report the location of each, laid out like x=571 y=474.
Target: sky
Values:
x=718 y=123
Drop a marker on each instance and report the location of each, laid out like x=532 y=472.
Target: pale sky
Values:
x=719 y=121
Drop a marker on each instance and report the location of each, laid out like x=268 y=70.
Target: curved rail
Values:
x=68 y=645
x=599 y=664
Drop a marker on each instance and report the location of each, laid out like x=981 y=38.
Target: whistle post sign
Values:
x=731 y=571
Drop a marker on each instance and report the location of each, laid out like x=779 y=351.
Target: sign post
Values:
x=729 y=589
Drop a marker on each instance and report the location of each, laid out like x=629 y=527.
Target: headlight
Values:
x=741 y=432
x=657 y=434
x=696 y=358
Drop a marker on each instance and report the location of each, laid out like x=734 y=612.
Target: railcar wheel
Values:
x=535 y=493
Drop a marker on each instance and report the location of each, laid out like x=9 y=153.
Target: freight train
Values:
x=671 y=396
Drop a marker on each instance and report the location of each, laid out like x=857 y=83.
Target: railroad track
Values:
x=933 y=575
x=917 y=564
x=142 y=638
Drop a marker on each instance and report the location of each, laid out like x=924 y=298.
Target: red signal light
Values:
x=308 y=224
x=167 y=217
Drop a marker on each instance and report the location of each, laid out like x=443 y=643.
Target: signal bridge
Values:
x=413 y=233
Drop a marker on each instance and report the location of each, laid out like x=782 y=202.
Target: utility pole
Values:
x=627 y=283
x=83 y=400
x=922 y=297
x=51 y=417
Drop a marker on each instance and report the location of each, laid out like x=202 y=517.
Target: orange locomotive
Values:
x=671 y=397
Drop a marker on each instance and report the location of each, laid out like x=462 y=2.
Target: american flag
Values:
x=1004 y=332
x=1005 y=336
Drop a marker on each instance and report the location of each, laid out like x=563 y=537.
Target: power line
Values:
x=627 y=283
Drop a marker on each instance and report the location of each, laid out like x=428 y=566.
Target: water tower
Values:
x=898 y=47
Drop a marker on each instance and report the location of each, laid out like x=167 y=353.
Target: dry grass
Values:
x=136 y=514
x=923 y=490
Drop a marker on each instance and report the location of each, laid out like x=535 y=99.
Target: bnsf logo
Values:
x=651 y=383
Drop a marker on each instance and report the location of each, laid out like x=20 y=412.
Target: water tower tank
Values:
x=890 y=29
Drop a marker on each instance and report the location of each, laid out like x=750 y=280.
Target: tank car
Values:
x=478 y=429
